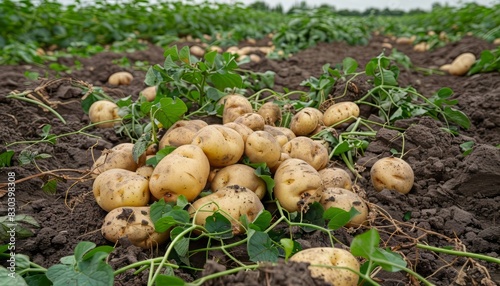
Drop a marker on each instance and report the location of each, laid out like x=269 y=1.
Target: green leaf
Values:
x=288 y=246
x=153 y=77
x=184 y=55
x=50 y=187
x=160 y=154
x=260 y=247
x=103 y=248
x=457 y=116
x=182 y=246
x=141 y=146
x=10 y=278
x=158 y=209
x=313 y=216
x=337 y=216
x=386 y=259
x=169 y=280
x=37 y=280
x=82 y=248
x=467 y=147
x=341 y=148
x=262 y=221
x=6 y=158
x=219 y=224
x=444 y=92
x=349 y=65
x=165 y=223
x=168 y=111
x=226 y=80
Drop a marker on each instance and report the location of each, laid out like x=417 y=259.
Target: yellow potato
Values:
x=305 y=121
x=277 y=134
x=135 y=224
x=104 y=110
x=335 y=178
x=232 y=201
x=241 y=175
x=183 y=172
x=222 y=145
x=197 y=51
x=118 y=157
x=393 y=174
x=328 y=256
x=120 y=78
x=313 y=152
x=181 y=133
x=261 y=146
x=271 y=112
x=404 y=41
x=345 y=199
x=253 y=120
x=445 y=67
x=288 y=133
x=298 y=184
x=149 y=93
x=120 y=188
x=235 y=105
x=340 y=112
x=244 y=130
x=462 y=64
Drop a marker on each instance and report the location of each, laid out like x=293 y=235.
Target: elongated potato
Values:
x=305 y=121
x=462 y=64
x=241 y=175
x=340 y=112
x=235 y=105
x=271 y=112
x=135 y=224
x=262 y=147
x=345 y=199
x=104 y=110
x=118 y=157
x=120 y=188
x=327 y=256
x=120 y=78
x=183 y=172
x=308 y=150
x=393 y=174
x=335 y=178
x=222 y=145
x=298 y=184
x=181 y=133
x=232 y=201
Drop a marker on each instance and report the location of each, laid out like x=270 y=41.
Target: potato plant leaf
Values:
x=288 y=246
x=467 y=147
x=260 y=247
x=457 y=116
x=219 y=226
x=169 y=280
x=314 y=215
x=262 y=221
x=349 y=65
x=168 y=111
x=16 y=280
x=6 y=158
x=338 y=217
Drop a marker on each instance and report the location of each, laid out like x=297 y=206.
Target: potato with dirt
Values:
x=253 y=120
x=306 y=121
x=135 y=224
x=102 y=111
x=241 y=175
x=297 y=184
x=311 y=151
x=277 y=134
x=222 y=145
x=322 y=259
x=345 y=199
x=235 y=105
x=183 y=172
x=271 y=112
x=232 y=202
x=392 y=173
x=342 y=112
x=118 y=157
x=335 y=178
x=120 y=188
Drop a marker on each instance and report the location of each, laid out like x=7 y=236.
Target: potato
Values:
x=421 y=47
x=313 y=152
x=387 y=45
x=241 y=175
x=298 y=184
x=496 y=41
x=329 y=256
x=118 y=157
x=146 y=170
x=305 y=121
x=345 y=199
x=340 y=112
x=253 y=120
x=404 y=41
x=120 y=188
x=335 y=178
x=104 y=110
x=181 y=133
x=222 y=145
x=283 y=157
x=120 y=78
x=277 y=134
x=149 y=93
x=183 y=172
x=197 y=51
x=288 y=133
x=244 y=130
x=271 y=112
x=233 y=202
x=462 y=64
x=235 y=105
x=445 y=67
x=135 y=224
x=262 y=147
x=393 y=174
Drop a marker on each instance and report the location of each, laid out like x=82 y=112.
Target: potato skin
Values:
x=120 y=78
x=149 y=93
x=222 y=145
x=253 y=120
x=103 y=110
x=308 y=150
x=241 y=175
x=120 y=188
x=305 y=121
x=262 y=147
x=233 y=201
x=277 y=134
x=345 y=199
x=271 y=112
x=462 y=64
x=335 y=178
x=331 y=257
x=339 y=112
x=298 y=184
x=135 y=224
x=235 y=105
x=393 y=174
x=118 y=157
x=183 y=172
x=244 y=130
x=181 y=133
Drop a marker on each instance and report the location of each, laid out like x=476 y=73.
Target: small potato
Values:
x=404 y=41
x=120 y=78
x=222 y=145
x=277 y=134
x=104 y=110
x=328 y=256
x=183 y=172
x=339 y=112
x=120 y=188
x=146 y=170
x=393 y=174
x=135 y=224
x=387 y=45
x=235 y=105
x=181 y=133
x=335 y=178
x=313 y=152
x=241 y=175
x=345 y=199
x=244 y=130
x=149 y=93
x=118 y=157
x=262 y=147
x=197 y=51
x=421 y=47
x=271 y=112
x=233 y=202
x=288 y=133
x=253 y=120
x=305 y=121
x=298 y=184
x=462 y=64
x=496 y=41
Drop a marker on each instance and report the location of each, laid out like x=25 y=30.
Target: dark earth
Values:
x=454 y=201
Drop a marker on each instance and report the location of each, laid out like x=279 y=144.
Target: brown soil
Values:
x=454 y=200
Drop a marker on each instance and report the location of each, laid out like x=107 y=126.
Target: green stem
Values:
x=460 y=253
x=143 y=263
x=39 y=104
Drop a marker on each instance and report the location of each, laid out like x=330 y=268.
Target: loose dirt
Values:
x=454 y=201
